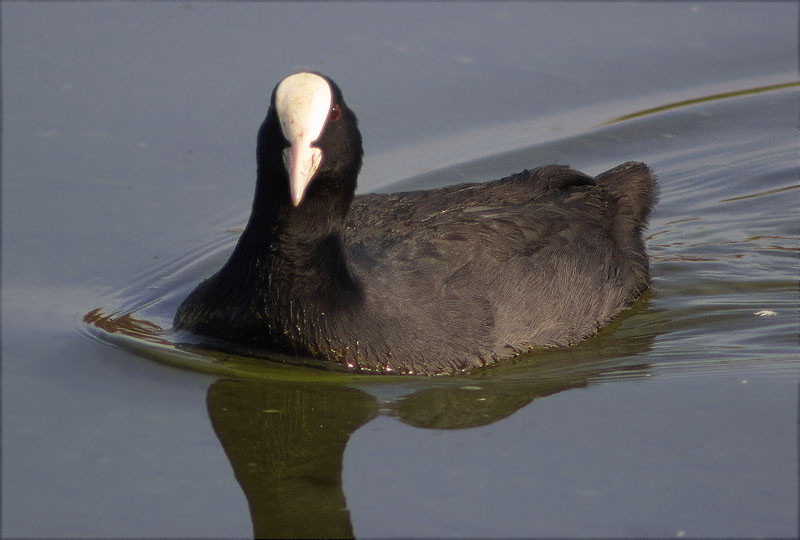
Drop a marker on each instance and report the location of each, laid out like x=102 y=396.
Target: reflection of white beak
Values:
x=303 y=101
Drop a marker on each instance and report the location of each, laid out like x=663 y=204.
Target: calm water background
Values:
x=128 y=165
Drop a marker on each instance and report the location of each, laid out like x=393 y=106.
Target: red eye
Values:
x=334 y=112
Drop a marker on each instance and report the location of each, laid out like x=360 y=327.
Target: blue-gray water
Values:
x=128 y=167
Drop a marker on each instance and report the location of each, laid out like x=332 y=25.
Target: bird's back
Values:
x=481 y=271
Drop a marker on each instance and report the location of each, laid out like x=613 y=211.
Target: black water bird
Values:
x=421 y=282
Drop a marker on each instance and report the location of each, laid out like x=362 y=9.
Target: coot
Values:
x=421 y=282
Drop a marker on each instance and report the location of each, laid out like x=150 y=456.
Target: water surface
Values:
x=128 y=167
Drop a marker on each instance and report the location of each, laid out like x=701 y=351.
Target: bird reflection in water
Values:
x=286 y=439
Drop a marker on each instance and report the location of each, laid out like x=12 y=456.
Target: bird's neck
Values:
x=321 y=213
x=304 y=244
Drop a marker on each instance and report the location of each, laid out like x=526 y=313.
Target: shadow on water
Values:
x=286 y=439
x=285 y=427
x=285 y=442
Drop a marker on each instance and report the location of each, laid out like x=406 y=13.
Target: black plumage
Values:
x=424 y=282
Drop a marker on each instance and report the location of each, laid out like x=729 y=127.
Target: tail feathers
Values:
x=634 y=187
x=632 y=192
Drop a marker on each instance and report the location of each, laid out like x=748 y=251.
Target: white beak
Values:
x=302 y=101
